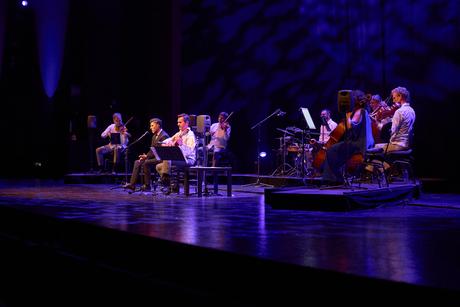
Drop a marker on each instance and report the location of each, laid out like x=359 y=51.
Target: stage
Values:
x=91 y=239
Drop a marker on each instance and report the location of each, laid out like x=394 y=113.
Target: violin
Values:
x=387 y=112
x=224 y=125
x=121 y=127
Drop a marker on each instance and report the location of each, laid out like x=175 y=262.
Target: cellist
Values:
x=357 y=138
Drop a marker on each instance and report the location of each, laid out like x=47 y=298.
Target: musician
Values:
x=357 y=139
x=147 y=160
x=186 y=141
x=116 y=149
x=326 y=122
x=380 y=124
x=220 y=134
x=402 y=123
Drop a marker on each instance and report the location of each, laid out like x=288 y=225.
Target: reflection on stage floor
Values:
x=416 y=244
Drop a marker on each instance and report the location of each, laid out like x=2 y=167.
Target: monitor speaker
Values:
x=344 y=101
x=203 y=123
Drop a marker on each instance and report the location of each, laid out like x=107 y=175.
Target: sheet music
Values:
x=308 y=119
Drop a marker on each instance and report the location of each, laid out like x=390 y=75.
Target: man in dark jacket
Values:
x=146 y=161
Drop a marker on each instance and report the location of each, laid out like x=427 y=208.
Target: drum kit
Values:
x=295 y=153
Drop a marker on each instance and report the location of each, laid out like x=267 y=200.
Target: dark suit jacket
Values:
x=156 y=141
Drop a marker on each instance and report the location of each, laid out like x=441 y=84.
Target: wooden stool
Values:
x=200 y=170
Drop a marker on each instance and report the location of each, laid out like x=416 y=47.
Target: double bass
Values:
x=352 y=163
x=334 y=137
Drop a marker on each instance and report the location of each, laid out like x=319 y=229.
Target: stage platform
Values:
x=366 y=196
x=93 y=243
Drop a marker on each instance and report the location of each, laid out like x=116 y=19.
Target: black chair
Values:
x=123 y=161
x=395 y=166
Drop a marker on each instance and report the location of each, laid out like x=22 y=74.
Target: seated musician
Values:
x=357 y=139
x=220 y=134
x=380 y=122
x=327 y=126
x=402 y=122
x=115 y=149
x=147 y=160
x=186 y=141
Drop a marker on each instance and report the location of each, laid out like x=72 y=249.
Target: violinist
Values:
x=119 y=138
x=380 y=120
x=402 y=122
x=220 y=134
x=357 y=138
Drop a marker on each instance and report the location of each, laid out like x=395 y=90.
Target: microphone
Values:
x=324 y=123
x=281 y=113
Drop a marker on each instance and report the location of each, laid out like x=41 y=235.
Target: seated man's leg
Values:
x=100 y=153
x=135 y=173
x=146 y=167
x=175 y=180
x=163 y=168
x=117 y=154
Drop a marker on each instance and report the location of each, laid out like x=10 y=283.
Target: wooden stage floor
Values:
x=204 y=243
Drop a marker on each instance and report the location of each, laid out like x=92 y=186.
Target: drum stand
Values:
x=281 y=170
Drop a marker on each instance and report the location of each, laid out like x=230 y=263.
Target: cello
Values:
x=335 y=136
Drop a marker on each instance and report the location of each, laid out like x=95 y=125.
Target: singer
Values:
x=147 y=160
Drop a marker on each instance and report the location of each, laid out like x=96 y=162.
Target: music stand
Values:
x=172 y=153
x=115 y=138
x=310 y=126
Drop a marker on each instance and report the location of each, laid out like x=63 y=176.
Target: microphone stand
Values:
x=258 y=183
x=126 y=156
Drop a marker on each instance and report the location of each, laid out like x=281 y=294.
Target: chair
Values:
x=398 y=165
x=108 y=161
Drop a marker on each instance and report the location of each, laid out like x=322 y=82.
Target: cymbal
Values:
x=294 y=129
x=284 y=137
x=284 y=131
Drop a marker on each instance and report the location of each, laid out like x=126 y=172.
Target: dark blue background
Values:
x=161 y=58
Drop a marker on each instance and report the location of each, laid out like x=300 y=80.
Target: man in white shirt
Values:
x=186 y=141
x=220 y=134
x=327 y=126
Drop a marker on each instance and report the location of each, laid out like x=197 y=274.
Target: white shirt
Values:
x=111 y=129
x=219 y=137
x=188 y=144
x=402 y=124
x=324 y=133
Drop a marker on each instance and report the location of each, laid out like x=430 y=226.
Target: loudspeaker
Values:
x=192 y=121
x=344 y=101
x=203 y=123
x=91 y=122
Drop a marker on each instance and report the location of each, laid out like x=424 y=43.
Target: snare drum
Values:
x=293 y=148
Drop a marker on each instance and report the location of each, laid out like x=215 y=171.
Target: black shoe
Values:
x=171 y=189
x=146 y=188
x=129 y=186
